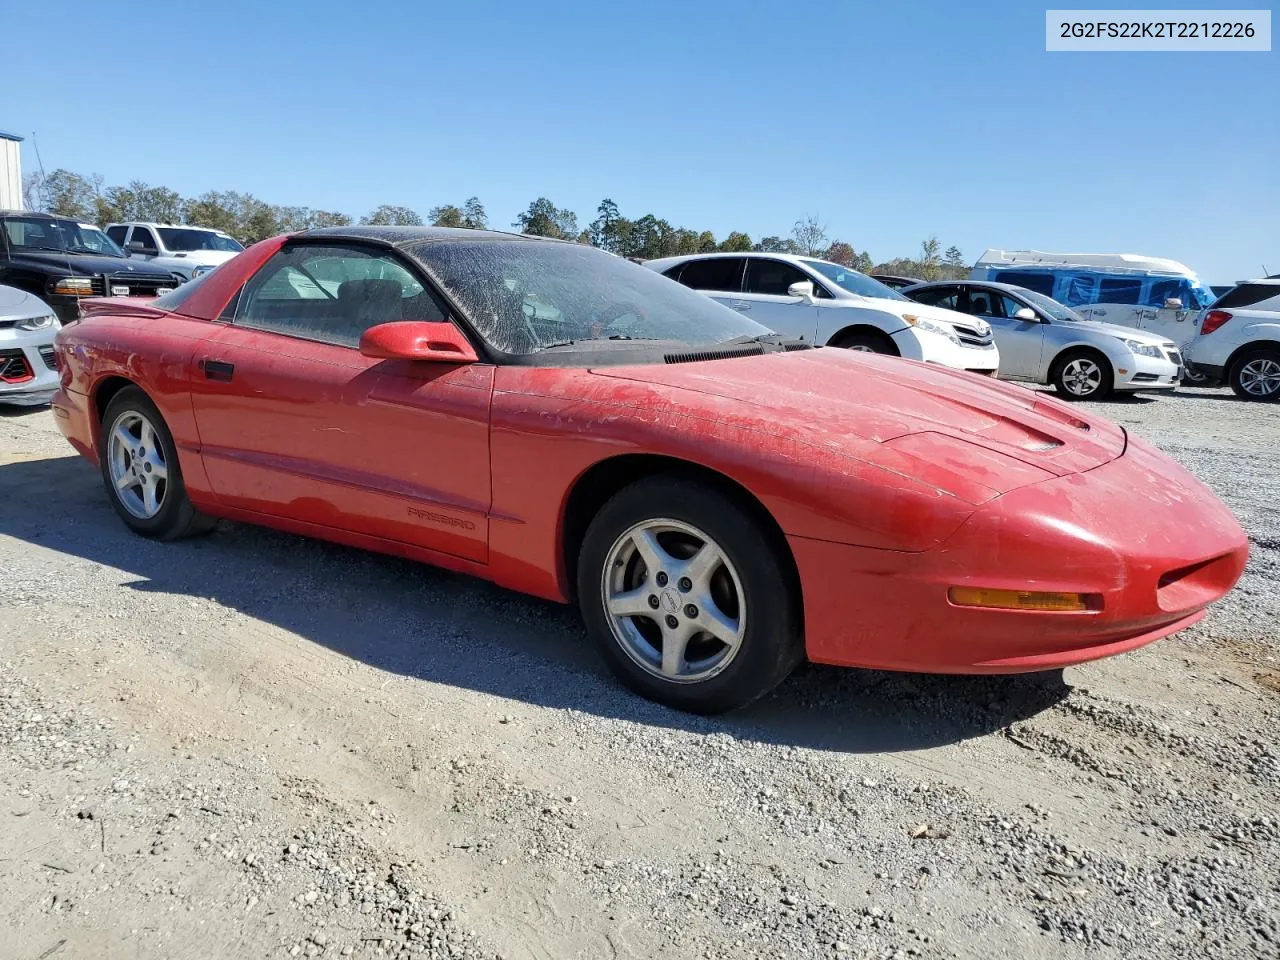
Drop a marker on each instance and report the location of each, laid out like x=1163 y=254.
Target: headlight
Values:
x=35 y=323
x=74 y=287
x=200 y=271
x=1141 y=349
x=932 y=326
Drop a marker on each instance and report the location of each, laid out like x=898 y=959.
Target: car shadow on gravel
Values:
x=424 y=623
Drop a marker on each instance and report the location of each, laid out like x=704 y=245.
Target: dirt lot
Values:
x=252 y=745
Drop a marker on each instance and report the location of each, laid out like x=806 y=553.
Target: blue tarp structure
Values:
x=1080 y=286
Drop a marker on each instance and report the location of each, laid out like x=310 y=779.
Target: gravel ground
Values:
x=253 y=745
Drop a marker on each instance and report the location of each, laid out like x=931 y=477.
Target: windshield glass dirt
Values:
x=525 y=296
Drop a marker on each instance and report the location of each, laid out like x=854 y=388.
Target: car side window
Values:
x=772 y=277
x=333 y=294
x=117 y=234
x=981 y=303
x=143 y=236
x=946 y=297
x=713 y=273
x=1005 y=306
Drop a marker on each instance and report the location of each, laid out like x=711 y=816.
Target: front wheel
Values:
x=867 y=341
x=1082 y=375
x=141 y=472
x=688 y=600
x=1256 y=374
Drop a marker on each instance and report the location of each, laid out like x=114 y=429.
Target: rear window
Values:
x=1246 y=295
x=1039 y=282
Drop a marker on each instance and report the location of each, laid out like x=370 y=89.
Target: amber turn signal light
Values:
x=1023 y=600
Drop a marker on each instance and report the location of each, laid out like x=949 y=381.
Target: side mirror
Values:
x=1027 y=315
x=134 y=246
x=801 y=288
x=1173 y=303
x=417 y=340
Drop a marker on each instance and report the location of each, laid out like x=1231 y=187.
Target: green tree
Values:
x=707 y=242
x=930 y=261
x=473 y=215
x=953 y=257
x=610 y=230
x=841 y=253
x=445 y=216
x=215 y=210
x=776 y=245
x=328 y=218
x=545 y=219
x=392 y=216
x=736 y=242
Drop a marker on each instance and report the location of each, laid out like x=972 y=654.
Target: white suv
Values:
x=827 y=304
x=1239 y=340
x=185 y=252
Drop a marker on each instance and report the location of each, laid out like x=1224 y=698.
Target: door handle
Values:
x=218 y=370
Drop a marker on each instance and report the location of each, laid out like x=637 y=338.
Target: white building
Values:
x=10 y=172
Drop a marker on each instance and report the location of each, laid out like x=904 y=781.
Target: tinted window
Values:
x=1120 y=290
x=332 y=294
x=187 y=239
x=1247 y=294
x=715 y=273
x=1006 y=306
x=946 y=297
x=772 y=277
x=1039 y=282
x=143 y=236
x=117 y=234
x=981 y=303
x=524 y=296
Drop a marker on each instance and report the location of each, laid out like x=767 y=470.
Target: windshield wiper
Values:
x=36 y=246
x=777 y=340
x=96 y=253
x=612 y=336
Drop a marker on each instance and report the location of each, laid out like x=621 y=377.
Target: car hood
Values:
x=17 y=304
x=75 y=264
x=1116 y=330
x=932 y=418
x=899 y=307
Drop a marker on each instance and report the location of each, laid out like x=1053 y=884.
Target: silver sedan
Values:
x=1042 y=341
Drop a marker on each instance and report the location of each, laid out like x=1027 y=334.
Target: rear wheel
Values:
x=867 y=341
x=687 y=598
x=141 y=472
x=1256 y=374
x=1082 y=375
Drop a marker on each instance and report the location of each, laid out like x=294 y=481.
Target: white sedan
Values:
x=827 y=304
x=27 y=326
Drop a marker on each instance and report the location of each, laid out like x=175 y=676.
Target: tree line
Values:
x=248 y=219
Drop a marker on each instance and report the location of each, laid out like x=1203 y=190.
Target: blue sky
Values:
x=891 y=121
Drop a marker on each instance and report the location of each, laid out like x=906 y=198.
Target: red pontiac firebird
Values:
x=720 y=502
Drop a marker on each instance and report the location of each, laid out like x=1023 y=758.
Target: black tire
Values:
x=868 y=341
x=176 y=516
x=769 y=617
x=1068 y=386
x=1253 y=357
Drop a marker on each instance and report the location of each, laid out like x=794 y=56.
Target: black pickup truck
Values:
x=62 y=261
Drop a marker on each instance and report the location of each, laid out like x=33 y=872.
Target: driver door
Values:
x=295 y=423
x=1021 y=342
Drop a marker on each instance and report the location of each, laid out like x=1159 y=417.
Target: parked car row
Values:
x=720 y=500
x=63 y=261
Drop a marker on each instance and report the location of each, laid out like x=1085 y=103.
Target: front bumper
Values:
x=932 y=348
x=27 y=373
x=1147 y=373
x=1149 y=539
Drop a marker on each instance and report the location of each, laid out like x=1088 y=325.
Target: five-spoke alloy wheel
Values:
x=141 y=472
x=1082 y=375
x=691 y=599
x=1256 y=375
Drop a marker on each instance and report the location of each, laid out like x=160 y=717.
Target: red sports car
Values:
x=720 y=502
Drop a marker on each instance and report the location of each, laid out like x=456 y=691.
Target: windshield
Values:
x=1050 y=306
x=186 y=239
x=96 y=241
x=1202 y=295
x=63 y=236
x=853 y=281
x=526 y=296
